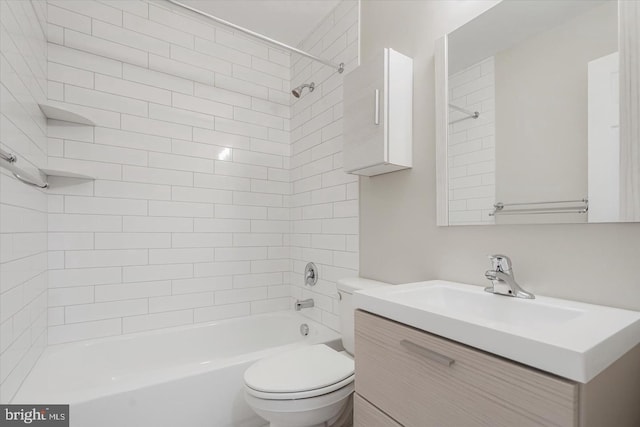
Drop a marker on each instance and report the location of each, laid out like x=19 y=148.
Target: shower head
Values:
x=297 y=92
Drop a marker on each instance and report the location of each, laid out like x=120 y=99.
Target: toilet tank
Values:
x=346 y=288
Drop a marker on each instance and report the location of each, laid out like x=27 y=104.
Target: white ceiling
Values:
x=288 y=21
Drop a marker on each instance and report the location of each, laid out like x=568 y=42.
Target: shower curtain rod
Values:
x=339 y=67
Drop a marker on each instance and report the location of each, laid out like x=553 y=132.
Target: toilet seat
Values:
x=300 y=394
x=303 y=373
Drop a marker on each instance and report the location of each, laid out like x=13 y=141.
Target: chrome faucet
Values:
x=503 y=280
x=305 y=303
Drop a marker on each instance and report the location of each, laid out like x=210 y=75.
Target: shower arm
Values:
x=338 y=67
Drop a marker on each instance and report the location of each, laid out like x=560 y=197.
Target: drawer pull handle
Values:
x=429 y=354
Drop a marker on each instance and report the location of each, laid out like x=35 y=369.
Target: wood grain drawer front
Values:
x=426 y=381
x=367 y=415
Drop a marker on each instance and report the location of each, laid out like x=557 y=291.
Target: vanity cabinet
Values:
x=378 y=123
x=369 y=415
x=412 y=378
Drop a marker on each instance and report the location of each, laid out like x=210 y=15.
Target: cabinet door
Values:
x=364 y=129
x=367 y=415
x=423 y=380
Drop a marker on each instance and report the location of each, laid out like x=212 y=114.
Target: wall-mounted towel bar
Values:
x=561 y=206
x=8 y=157
x=471 y=114
x=8 y=160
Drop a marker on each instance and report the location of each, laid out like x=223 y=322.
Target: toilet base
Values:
x=343 y=419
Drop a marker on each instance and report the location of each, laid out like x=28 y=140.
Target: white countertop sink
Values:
x=571 y=339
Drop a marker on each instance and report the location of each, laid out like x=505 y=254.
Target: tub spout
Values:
x=305 y=303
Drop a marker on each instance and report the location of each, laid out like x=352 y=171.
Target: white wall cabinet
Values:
x=378 y=110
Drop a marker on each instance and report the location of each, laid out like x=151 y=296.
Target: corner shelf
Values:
x=66 y=114
x=66 y=174
x=58 y=111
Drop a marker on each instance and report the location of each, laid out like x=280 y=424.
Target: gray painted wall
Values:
x=400 y=241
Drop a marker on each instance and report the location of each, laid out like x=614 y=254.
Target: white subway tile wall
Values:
x=186 y=170
x=190 y=217
x=23 y=209
x=324 y=201
x=472 y=145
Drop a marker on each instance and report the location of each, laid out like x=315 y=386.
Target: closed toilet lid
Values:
x=307 y=368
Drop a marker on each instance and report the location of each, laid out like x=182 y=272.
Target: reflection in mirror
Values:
x=533 y=116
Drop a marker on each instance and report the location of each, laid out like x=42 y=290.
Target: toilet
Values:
x=308 y=386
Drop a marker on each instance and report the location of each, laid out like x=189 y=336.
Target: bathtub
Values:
x=186 y=376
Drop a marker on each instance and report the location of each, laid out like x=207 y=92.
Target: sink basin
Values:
x=468 y=302
x=567 y=338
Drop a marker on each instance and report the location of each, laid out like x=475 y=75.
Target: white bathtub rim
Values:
x=167 y=374
x=190 y=326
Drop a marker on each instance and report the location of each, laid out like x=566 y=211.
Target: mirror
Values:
x=533 y=125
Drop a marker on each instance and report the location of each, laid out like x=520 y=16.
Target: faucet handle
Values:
x=310 y=274
x=500 y=263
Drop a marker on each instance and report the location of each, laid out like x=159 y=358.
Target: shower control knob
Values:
x=310 y=274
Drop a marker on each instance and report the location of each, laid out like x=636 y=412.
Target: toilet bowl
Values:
x=301 y=388
x=310 y=386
